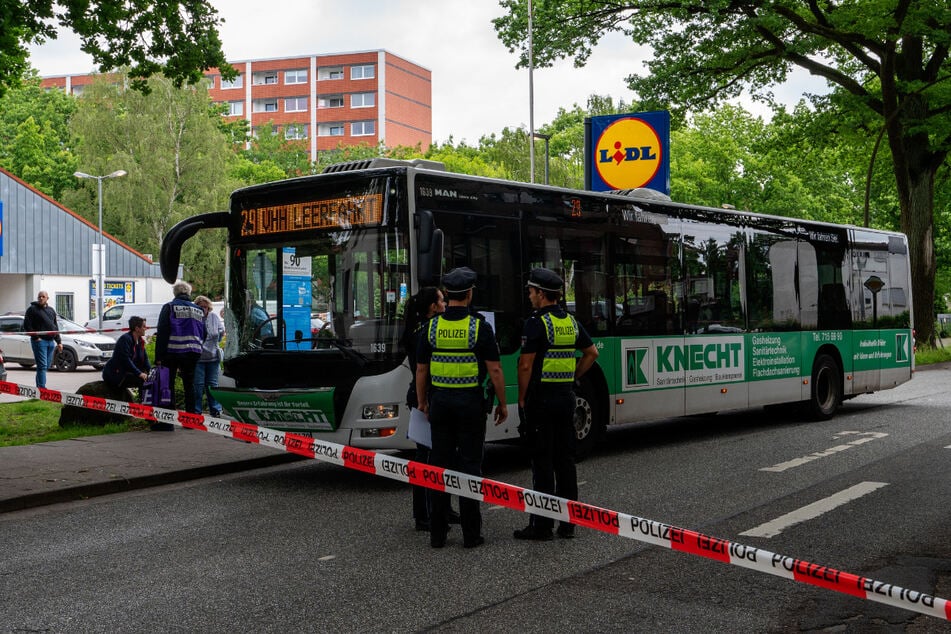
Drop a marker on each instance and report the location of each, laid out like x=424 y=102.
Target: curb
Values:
x=95 y=489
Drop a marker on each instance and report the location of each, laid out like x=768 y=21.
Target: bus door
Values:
x=650 y=316
x=713 y=355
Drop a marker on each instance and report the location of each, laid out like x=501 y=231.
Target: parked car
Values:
x=115 y=319
x=80 y=346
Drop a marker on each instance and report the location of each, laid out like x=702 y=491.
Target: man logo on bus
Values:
x=628 y=154
x=635 y=366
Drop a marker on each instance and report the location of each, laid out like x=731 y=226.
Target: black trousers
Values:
x=551 y=443
x=184 y=363
x=457 y=420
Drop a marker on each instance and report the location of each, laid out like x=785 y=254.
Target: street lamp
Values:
x=101 y=251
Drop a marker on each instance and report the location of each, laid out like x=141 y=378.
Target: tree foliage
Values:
x=34 y=136
x=176 y=37
x=886 y=58
x=177 y=159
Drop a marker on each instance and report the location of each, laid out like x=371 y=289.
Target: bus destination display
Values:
x=329 y=213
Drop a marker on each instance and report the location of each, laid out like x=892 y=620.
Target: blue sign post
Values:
x=626 y=151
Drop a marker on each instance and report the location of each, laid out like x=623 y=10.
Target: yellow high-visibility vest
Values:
x=454 y=363
x=558 y=365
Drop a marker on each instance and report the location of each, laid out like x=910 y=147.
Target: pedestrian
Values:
x=209 y=363
x=129 y=364
x=547 y=370
x=458 y=350
x=40 y=321
x=178 y=343
x=420 y=308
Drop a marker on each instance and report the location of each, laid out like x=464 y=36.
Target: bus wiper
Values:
x=348 y=350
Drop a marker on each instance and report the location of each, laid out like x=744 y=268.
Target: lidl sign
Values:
x=627 y=151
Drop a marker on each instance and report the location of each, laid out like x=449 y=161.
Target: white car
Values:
x=80 y=347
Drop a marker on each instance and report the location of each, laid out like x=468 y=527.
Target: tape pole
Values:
x=519 y=499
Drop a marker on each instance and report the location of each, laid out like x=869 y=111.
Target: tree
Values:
x=177 y=159
x=177 y=37
x=34 y=136
x=887 y=59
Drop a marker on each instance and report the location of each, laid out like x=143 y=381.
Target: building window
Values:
x=64 y=305
x=210 y=81
x=330 y=101
x=295 y=104
x=295 y=76
x=237 y=82
x=362 y=72
x=264 y=105
x=362 y=128
x=295 y=131
x=77 y=90
x=363 y=100
x=235 y=109
x=266 y=77
x=330 y=129
x=330 y=72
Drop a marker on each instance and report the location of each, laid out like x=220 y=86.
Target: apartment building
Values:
x=326 y=100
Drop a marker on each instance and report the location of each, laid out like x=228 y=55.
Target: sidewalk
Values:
x=70 y=470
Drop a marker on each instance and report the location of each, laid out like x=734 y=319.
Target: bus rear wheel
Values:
x=826 y=388
x=589 y=424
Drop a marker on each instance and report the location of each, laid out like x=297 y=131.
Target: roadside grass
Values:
x=28 y=422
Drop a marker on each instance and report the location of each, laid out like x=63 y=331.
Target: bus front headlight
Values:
x=377 y=411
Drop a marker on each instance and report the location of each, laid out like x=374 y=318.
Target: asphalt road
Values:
x=312 y=547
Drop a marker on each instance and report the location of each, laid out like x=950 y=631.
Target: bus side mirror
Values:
x=429 y=267
x=425 y=227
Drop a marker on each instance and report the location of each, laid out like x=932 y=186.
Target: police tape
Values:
x=517 y=498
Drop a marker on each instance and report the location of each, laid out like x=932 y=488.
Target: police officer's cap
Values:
x=545 y=279
x=459 y=280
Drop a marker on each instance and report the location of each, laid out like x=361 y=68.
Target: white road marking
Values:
x=868 y=436
x=814 y=510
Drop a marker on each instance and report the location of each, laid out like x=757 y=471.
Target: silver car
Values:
x=80 y=347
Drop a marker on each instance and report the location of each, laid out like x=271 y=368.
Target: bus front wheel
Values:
x=826 y=388
x=589 y=424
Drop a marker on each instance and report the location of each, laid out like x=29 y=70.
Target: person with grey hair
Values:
x=178 y=342
x=206 y=372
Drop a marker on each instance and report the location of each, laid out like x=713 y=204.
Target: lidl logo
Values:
x=903 y=345
x=628 y=153
x=636 y=358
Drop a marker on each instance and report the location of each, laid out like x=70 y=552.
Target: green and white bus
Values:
x=693 y=309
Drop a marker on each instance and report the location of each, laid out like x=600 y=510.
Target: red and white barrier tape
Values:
x=85 y=331
x=519 y=499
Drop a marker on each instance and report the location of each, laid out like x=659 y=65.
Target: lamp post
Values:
x=101 y=251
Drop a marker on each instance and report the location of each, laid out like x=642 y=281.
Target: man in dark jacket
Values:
x=129 y=365
x=40 y=322
x=178 y=339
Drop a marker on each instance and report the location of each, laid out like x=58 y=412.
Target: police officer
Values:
x=454 y=356
x=178 y=341
x=547 y=370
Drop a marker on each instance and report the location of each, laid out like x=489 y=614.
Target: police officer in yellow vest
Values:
x=547 y=370
x=457 y=351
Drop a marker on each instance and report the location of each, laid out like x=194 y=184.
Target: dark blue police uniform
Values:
x=457 y=401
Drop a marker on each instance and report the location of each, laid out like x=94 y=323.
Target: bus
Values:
x=693 y=309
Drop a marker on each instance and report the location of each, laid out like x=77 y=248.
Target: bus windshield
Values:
x=338 y=291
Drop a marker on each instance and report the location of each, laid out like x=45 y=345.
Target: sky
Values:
x=476 y=88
